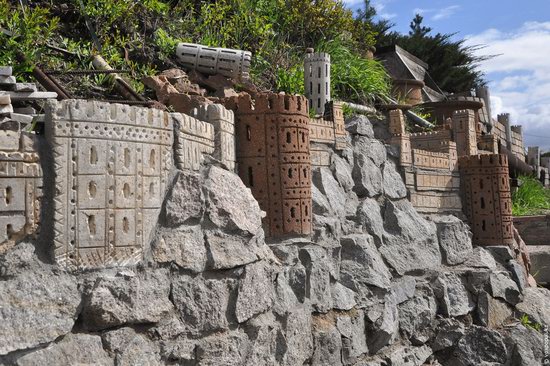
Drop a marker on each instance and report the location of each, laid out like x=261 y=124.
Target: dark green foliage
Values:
x=452 y=64
x=141 y=36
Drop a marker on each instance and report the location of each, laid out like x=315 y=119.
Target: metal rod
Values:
x=84 y=72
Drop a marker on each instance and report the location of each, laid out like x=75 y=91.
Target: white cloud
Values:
x=446 y=12
x=521 y=76
x=438 y=14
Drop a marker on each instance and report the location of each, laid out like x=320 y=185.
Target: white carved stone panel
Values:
x=20 y=187
x=111 y=164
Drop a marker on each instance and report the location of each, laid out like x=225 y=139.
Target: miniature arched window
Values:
x=304 y=137
x=250 y=177
x=92 y=189
x=326 y=69
x=306 y=210
x=9 y=231
x=248 y=133
x=293 y=212
x=288 y=138
x=91 y=225
x=126 y=190
x=326 y=87
x=8 y=195
x=483 y=225
x=152 y=158
x=319 y=72
x=125 y=225
x=319 y=88
x=482 y=203
x=152 y=188
x=305 y=172
x=93 y=155
x=127 y=158
x=310 y=87
x=290 y=172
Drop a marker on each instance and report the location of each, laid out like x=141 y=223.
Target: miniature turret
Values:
x=317 y=79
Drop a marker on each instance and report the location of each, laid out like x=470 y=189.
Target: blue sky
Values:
x=517 y=31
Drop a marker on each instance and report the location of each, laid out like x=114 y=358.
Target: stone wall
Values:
x=487 y=199
x=273 y=156
x=534 y=230
x=378 y=284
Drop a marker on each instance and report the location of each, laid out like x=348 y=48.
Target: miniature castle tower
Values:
x=486 y=198
x=465 y=135
x=400 y=136
x=317 y=79
x=273 y=158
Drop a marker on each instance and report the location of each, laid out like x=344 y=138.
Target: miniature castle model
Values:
x=487 y=199
x=231 y=63
x=317 y=80
x=273 y=158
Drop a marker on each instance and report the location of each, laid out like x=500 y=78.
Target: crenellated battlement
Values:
x=483 y=161
x=269 y=103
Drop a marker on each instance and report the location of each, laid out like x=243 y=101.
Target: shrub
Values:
x=353 y=77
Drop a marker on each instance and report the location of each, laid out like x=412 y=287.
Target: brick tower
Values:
x=486 y=198
x=273 y=158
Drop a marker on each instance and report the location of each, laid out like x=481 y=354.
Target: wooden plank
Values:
x=26 y=96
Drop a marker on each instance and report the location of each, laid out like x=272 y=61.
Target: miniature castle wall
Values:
x=317 y=80
x=223 y=121
x=193 y=138
x=509 y=136
x=110 y=166
x=487 y=199
x=431 y=174
x=231 y=63
x=273 y=156
x=20 y=183
x=327 y=131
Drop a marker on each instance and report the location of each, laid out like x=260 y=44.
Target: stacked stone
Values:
x=13 y=92
x=20 y=172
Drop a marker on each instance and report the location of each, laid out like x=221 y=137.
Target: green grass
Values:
x=531 y=198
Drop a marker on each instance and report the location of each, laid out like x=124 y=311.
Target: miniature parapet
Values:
x=273 y=158
x=193 y=138
x=327 y=133
x=223 y=121
x=231 y=63
x=20 y=183
x=429 y=163
x=486 y=198
x=110 y=164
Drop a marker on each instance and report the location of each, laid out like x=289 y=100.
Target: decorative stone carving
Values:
x=20 y=183
x=193 y=139
x=273 y=156
x=223 y=121
x=110 y=168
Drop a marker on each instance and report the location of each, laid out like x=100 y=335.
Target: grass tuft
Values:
x=531 y=198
